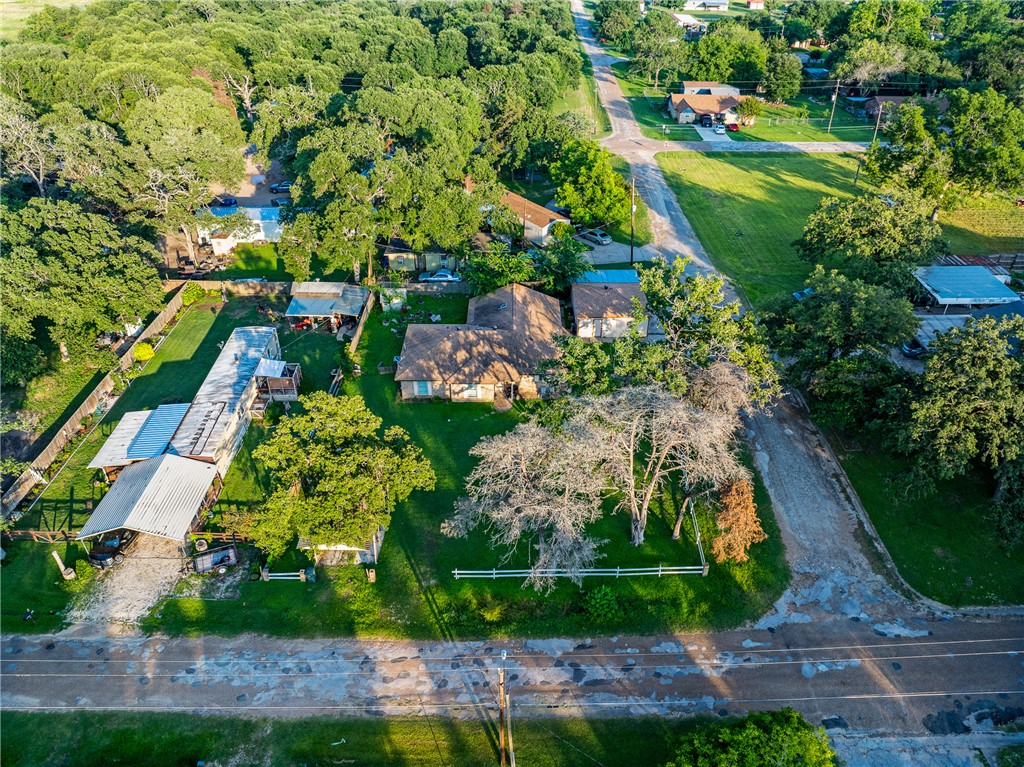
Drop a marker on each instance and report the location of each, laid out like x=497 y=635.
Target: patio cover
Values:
x=964 y=286
x=325 y=299
x=270 y=368
x=159 y=496
x=139 y=435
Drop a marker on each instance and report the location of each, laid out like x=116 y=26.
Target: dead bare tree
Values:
x=651 y=435
x=738 y=524
x=245 y=87
x=535 y=481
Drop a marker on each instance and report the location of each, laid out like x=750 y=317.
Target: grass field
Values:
x=13 y=13
x=415 y=594
x=748 y=209
x=940 y=540
x=160 y=740
x=784 y=123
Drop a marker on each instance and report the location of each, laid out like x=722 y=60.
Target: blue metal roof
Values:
x=154 y=436
x=610 y=275
x=962 y=285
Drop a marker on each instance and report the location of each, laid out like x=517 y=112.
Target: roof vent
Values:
x=237 y=359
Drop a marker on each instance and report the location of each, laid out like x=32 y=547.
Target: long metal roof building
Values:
x=964 y=286
x=159 y=496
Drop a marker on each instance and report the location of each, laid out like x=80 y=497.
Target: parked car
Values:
x=225 y=202
x=720 y=130
x=110 y=549
x=564 y=212
x=912 y=349
x=277 y=202
x=706 y=121
x=281 y=188
x=596 y=236
x=441 y=275
x=733 y=127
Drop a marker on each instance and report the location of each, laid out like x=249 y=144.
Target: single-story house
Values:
x=266 y=228
x=216 y=421
x=326 y=300
x=963 y=286
x=716 y=6
x=707 y=88
x=604 y=310
x=495 y=354
x=163 y=496
x=400 y=257
x=537 y=220
x=138 y=436
x=685 y=108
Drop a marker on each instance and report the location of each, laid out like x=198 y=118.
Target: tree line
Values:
x=898 y=44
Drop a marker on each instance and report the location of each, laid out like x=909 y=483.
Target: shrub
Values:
x=601 y=605
x=780 y=738
x=191 y=293
x=143 y=352
x=84 y=573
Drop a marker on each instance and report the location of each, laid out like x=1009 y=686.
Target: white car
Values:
x=720 y=130
x=596 y=236
x=441 y=275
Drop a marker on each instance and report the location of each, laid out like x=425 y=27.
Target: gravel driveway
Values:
x=126 y=592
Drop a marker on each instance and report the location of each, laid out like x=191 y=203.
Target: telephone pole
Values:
x=835 y=98
x=878 y=120
x=501 y=708
x=632 y=218
x=511 y=748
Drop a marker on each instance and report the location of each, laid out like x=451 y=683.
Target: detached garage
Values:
x=161 y=496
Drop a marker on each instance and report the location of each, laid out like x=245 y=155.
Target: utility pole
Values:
x=511 y=748
x=878 y=120
x=632 y=219
x=835 y=98
x=501 y=708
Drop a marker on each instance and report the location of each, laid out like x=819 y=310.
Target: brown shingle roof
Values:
x=536 y=214
x=507 y=333
x=703 y=104
x=599 y=300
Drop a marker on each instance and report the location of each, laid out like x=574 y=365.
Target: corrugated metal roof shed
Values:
x=139 y=435
x=964 y=285
x=610 y=275
x=159 y=496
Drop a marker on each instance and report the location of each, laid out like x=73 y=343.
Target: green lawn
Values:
x=940 y=540
x=748 y=209
x=785 y=123
x=656 y=123
x=158 y=740
x=415 y=594
x=982 y=225
x=264 y=261
x=29 y=580
x=13 y=13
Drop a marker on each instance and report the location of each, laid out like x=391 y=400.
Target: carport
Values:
x=140 y=434
x=161 y=496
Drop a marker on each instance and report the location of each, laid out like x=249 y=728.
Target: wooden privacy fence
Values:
x=427 y=288
x=363 y=316
x=42 y=536
x=614 y=572
x=33 y=475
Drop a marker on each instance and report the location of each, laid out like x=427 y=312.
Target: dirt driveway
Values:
x=126 y=592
